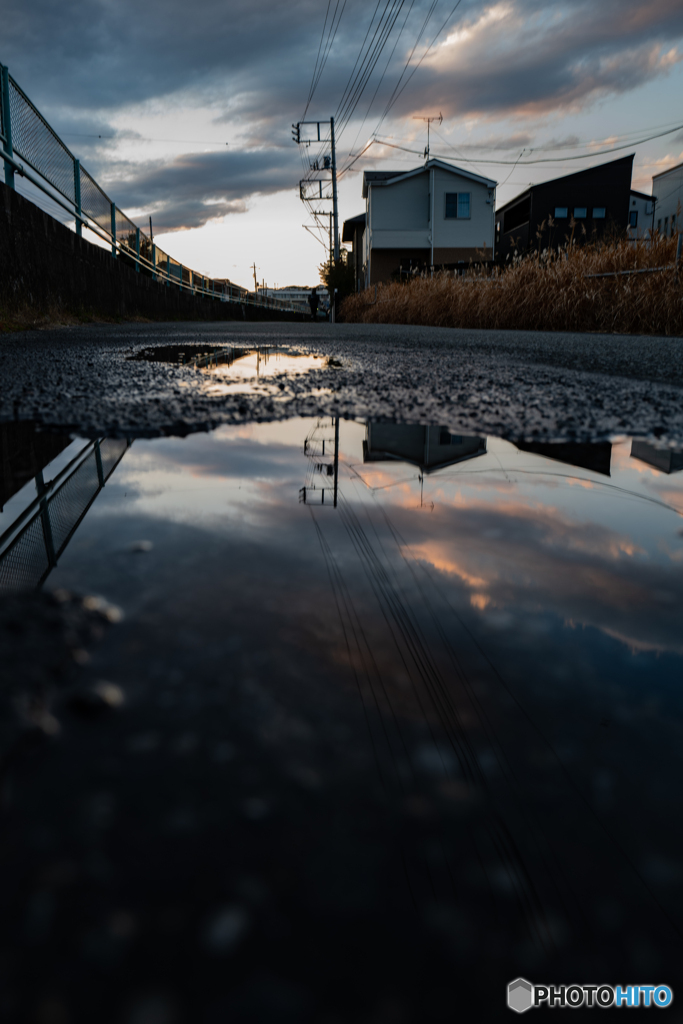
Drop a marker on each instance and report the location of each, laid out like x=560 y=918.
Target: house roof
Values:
x=565 y=177
x=350 y=226
x=662 y=174
x=642 y=195
x=392 y=177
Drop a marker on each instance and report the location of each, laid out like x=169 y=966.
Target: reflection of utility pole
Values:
x=336 y=458
x=314 y=449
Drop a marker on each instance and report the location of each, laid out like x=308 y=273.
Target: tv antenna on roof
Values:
x=429 y=121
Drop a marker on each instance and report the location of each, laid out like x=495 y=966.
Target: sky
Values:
x=183 y=112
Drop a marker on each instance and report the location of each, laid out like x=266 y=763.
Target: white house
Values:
x=640 y=212
x=436 y=214
x=668 y=187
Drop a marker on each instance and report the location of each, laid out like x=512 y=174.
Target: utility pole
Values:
x=255 y=281
x=329 y=163
x=429 y=121
x=335 y=211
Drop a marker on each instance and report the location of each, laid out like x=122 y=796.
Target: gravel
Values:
x=515 y=384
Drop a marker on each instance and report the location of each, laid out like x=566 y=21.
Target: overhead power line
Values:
x=396 y=94
x=321 y=61
x=538 y=160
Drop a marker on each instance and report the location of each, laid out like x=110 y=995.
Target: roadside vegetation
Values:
x=550 y=290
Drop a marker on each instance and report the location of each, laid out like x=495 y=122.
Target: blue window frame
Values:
x=599 y=213
x=463 y=205
x=561 y=213
x=580 y=212
x=633 y=219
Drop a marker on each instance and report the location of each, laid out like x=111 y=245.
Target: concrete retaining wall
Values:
x=45 y=266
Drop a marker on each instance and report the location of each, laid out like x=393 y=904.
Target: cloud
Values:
x=195 y=188
x=532 y=58
x=250 y=68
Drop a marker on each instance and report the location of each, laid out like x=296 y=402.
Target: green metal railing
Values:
x=31 y=148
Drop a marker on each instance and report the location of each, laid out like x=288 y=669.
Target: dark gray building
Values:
x=352 y=233
x=598 y=199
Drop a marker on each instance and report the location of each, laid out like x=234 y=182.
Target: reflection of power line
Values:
x=566 y=476
x=32 y=545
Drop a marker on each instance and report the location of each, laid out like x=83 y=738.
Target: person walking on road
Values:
x=313 y=302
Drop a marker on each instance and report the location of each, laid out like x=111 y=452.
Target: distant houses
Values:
x=589 y=204
x=439 y=215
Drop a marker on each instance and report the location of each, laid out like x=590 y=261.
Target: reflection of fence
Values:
x=25 y=133
x=32 y=545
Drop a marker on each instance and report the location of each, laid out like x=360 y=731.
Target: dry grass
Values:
x=547 y=291
x=25 y=317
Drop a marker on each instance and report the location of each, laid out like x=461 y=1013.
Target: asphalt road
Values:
x=515 y=384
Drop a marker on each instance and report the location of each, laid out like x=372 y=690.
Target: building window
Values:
x=561 y=213
x=445 y=438
x=673 y=223
x=457 y=205
x=659 y=225
x=580 y=212
x=633 y=219
x=666 y=226
x=599 y=213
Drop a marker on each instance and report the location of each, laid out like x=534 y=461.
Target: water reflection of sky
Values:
x=509 y=621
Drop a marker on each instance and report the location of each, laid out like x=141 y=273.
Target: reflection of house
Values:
x=598 y=199
x=596 y=457
x=432 y=215
x=429 y=448
x=664 y=459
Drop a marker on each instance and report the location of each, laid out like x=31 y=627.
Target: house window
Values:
x=659 y=225
x=633 y=219
x=599 y=213
x=673 y=223
x=457 y=206
x=666 y=226
x=580 y=212
x=561 y=213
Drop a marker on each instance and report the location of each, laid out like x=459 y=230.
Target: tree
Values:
x=339 y=274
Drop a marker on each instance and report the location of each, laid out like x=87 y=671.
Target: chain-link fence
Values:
x=26 y=136
x=43 y=530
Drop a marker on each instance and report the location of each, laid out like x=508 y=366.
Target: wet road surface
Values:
x=333 y=720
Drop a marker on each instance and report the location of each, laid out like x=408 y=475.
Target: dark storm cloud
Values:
x=200 y=187
x=257 y=59
x=532 y=57
x=249 y=65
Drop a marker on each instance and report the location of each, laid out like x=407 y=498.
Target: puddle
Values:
x=498 y=626
x=239 y=370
